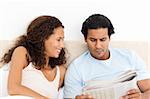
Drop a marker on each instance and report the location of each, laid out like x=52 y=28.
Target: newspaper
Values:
x=113 y=89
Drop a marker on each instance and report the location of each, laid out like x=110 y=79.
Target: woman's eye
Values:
x=58 y=39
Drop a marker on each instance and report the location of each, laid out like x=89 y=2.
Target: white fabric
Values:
x=3 y=82
x=34 y=79
x=86 y=68
x=16 y=97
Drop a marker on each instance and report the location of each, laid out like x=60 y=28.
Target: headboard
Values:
x=75 y=48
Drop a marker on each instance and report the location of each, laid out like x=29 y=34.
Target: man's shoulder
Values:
x=121 y=51
x=124 y=53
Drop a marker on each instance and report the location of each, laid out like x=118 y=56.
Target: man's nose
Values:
x=98 y=44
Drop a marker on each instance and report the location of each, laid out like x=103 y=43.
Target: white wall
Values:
x=131 y=18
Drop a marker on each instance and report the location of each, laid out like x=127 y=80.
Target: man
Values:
x=101 y=62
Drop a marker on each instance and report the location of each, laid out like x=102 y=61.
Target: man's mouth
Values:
x=100 y=50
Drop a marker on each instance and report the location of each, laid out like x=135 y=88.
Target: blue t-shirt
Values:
x=86 y=68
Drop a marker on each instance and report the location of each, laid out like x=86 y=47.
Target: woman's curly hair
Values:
x=37 y=32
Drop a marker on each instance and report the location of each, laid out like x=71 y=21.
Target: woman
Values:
x=37 y=61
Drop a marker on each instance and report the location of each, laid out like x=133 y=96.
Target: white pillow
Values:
x=4 y=70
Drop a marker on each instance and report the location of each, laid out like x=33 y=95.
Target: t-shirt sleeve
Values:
x=73 y=84
x=140 y=66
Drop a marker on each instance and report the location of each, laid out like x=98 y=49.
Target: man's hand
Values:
x=133 y=94
x=84 y=97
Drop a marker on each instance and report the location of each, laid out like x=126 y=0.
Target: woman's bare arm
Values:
x=18 y=63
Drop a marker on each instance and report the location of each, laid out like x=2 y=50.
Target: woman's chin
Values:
x=56 y=56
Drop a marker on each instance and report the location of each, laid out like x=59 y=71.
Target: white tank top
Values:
x=35 y=80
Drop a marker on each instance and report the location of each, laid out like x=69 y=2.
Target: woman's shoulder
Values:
x=20 y=49
x=20 y=53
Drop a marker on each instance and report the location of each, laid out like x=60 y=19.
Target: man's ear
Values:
x=85 y=39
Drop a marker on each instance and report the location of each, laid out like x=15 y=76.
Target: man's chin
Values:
x=99 y=56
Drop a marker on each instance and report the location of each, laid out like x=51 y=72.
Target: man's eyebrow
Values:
x=103 y=38
x=91 y=38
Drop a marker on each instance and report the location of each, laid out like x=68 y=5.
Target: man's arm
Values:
x=73 y=82
x=144 y=86
x=143 y=79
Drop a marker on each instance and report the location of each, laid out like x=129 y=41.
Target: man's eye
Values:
x=93 y=40
x=103 y=39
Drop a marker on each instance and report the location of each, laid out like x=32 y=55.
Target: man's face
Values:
x=98 y=42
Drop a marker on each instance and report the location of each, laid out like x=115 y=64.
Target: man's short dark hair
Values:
x=96 y=21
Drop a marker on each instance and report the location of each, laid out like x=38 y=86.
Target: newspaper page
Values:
x=112 y=89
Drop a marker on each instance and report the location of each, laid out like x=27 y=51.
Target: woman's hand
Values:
x=84 y=97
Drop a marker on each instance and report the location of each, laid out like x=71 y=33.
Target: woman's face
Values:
x=55 y=43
